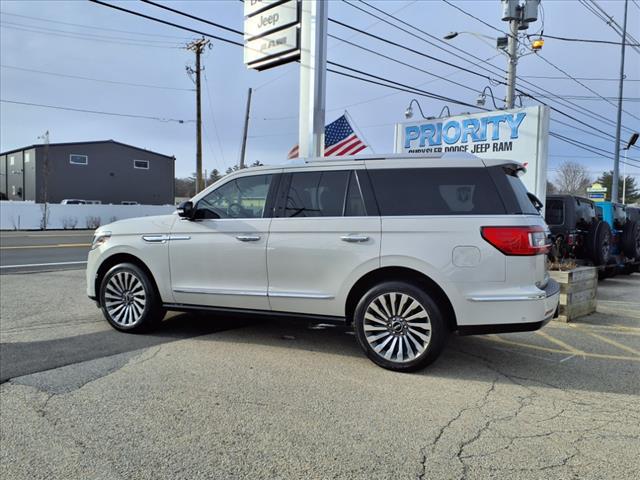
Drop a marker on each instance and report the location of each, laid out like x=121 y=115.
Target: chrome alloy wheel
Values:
x=397 y=327
x=125 y=299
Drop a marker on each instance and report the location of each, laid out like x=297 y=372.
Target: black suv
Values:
x=576 y=229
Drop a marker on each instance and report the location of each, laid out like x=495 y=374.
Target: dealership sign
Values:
x=597 y=192
x=271 y=33
x=519 y=134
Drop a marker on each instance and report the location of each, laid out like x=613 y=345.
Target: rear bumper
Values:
x=535 y=309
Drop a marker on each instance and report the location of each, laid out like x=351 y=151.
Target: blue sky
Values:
x=124 y=48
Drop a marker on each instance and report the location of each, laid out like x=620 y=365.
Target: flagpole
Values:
x=357 y=130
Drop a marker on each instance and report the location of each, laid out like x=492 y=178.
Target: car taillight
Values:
x=530 y=240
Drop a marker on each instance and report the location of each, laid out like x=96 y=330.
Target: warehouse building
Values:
x=103 y=171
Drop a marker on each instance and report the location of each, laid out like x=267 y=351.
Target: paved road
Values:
x=40 y=251
x=215 y=397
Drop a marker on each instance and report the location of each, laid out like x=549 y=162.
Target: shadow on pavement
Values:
x=23 y=358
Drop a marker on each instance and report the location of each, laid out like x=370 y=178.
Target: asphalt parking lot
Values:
x=212 y=397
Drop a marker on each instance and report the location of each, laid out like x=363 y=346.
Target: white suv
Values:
x=405 y=248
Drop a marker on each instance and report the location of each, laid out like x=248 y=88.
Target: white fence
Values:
x=31 y=216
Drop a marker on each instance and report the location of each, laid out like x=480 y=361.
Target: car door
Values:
x=219 y=258
x=322 y=239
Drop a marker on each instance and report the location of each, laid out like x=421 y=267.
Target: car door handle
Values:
x=248 y=238
x=354 y=238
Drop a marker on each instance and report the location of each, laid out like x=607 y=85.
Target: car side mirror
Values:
x=186 y=210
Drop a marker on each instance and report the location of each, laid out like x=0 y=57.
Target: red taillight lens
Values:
x=531 y=240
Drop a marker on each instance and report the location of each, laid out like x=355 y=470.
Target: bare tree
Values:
x=572 y=178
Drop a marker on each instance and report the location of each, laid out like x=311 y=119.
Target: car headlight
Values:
x=99 y=239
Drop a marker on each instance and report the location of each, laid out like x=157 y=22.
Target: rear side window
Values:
x=316 y=194
x=436 y=191
x=524 y=202
x=554 y=212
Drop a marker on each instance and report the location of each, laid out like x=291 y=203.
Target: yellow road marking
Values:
x=59 y=245
x=560 y=343
x=555 y=350
x=614 y=343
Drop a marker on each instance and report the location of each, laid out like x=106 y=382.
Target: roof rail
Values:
x=389 y=156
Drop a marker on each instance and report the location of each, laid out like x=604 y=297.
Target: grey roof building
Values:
x=106 y=171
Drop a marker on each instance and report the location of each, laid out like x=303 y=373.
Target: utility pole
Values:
x=246 y=128
x=512 y=52
x=519 y=17
x=616 y=157
x=198 y=46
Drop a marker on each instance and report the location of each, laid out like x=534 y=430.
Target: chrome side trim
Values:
x=314 y=296
x=155 y=238
x=509 y=298
x=220 y=291
x=164 y=238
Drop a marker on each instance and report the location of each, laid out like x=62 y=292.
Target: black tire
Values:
x=598 y=243
x=401 y=337
x=631 y=239
x=129 y=300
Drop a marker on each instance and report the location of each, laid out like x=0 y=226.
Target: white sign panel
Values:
x=519 y=134
x=272 y=44
x=251 y=7
x=275 y=18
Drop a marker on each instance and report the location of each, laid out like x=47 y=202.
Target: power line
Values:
x=395 y=60
x=145 y=85
x=165 y=22
x=114 y=114
x=602 y=14
x=584 y=40
x=193 y=17
x=565 y=103
x=397 y=85
x=583 y=85
x=473 y=16
x=92 y=27
x=581 y=78
x=84 y=37
x=88 y=35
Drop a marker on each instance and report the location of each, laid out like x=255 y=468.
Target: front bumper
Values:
x=535 y=308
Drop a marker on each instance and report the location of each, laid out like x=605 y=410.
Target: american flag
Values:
x=339 y=139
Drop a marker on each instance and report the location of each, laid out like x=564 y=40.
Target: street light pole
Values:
x=616 y=157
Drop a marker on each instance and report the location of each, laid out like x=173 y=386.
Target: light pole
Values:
x=616 y=157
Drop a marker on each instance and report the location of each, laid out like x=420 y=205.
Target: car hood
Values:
x=140 y=225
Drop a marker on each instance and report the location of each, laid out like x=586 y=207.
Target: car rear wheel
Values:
x=129 y=300
x=631 y=239
x=399 y=326
x=598 y=243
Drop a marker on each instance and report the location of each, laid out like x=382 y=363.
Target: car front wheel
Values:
x=129 y=300
x=400 y=327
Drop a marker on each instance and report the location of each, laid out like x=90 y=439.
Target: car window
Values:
x=316 y=194
x=554 y=212
x=435 y=191
x=354 y=206
x=243 y=197
x=524 y=202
